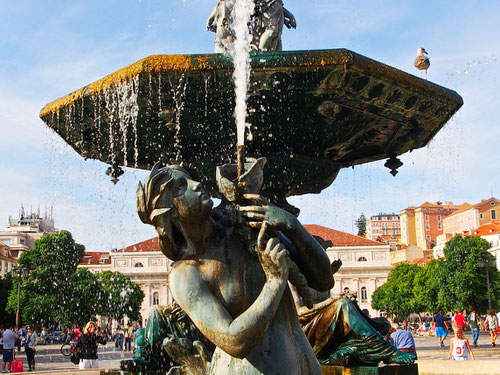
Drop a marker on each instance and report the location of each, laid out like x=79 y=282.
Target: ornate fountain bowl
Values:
x=310 y=114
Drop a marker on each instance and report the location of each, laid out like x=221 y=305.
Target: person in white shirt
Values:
x=459 y=347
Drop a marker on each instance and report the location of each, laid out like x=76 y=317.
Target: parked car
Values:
x=56 y=337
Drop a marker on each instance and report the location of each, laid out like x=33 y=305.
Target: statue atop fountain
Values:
x=266 y=26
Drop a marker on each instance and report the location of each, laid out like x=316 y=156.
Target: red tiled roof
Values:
x=492 y=227
x=339 y=238
x=148 y=245
x=421 y=261
x=96 y=257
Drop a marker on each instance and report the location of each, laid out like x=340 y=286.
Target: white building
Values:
x=365 y=263
x=20 y=234
x=144 y=264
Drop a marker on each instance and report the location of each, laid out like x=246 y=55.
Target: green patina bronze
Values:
x=311 y=113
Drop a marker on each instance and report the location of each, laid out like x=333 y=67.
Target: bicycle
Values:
x=67 y=348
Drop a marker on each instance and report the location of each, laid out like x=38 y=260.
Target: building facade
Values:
x=422 y=225
x=144 y=264
x=472 y=216
x=383 y=225
x=20 y=234
x=7 y=261
x=365 y=264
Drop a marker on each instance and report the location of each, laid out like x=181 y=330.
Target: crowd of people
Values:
x=440 y=325
x=84 y=341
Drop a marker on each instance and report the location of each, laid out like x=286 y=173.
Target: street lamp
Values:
x=19 y=278
x=484 y=262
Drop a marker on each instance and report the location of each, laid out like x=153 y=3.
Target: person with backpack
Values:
x=86 y=347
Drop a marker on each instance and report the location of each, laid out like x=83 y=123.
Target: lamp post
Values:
x=486 y=263
x=18 y=269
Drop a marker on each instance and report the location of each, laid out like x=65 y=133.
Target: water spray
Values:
x=243 y=10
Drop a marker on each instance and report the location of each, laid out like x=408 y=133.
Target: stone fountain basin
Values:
x=311 y=113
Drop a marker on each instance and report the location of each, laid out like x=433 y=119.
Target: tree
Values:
x=49 y=282
x=396 y=295
x=361 y=225
x=464 y=281
x=427 y=288
x=120 y=296
x=5 y=286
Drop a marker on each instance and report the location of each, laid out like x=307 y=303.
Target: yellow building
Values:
x=407 y=220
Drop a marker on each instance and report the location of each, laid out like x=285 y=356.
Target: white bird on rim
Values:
x=422 y=62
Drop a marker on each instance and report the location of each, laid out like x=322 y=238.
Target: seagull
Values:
x=422 y=62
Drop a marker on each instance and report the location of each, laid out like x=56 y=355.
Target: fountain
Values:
x=311 y=113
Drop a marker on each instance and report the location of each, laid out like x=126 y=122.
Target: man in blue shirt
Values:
x=403 y=340
x=9 y=339
x=441 y=327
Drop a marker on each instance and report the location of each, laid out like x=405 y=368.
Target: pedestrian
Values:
x=9 y=338
x=30 y=348
x=459 y=347
x=44 y=335
x=460 y=319
x=441 y=327
x=87 y=346
x=492 y=326
x=129 y=331
x=473 y=322
x=403 y=340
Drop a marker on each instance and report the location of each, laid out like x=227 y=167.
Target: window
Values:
x=426 y=217
x=481 y=216
x=364 y=294
x=138 y=264
x=493 y=214
x=156 y=298
x=362 y=259
x=440 y=227
x=427 y=227
x=428 y=238
x=439 y=217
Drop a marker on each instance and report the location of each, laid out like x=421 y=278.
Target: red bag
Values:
x=17 y=365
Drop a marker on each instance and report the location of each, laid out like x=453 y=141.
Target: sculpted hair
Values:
x=155 y=207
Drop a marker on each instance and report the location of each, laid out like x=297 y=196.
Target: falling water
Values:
x=241 y=59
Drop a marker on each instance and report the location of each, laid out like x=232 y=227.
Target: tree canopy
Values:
x=55 y=291
x=121 y=296
x=456 y=282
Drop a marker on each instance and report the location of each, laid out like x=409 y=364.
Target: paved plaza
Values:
x=49 y=357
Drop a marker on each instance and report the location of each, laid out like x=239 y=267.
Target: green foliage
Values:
x=5 y=286
x=54 y=291
x=428 y=290
x=120 y=296
x=396 y=295
x=456 y=282
x=47 y=280
x=361 y=225
x=463 y=280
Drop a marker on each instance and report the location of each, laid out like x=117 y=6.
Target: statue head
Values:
x=168 y=199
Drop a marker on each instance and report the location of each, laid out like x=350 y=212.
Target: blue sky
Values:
x=50 y=48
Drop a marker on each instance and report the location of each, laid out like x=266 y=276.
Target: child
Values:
x=459 y=347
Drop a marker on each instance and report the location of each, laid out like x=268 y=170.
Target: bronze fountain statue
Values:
x=247 y=277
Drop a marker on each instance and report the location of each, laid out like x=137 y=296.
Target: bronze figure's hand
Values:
x=275 y=217
x=272 y=255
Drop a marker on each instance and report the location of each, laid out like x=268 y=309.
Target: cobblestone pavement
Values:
x=49 y=357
